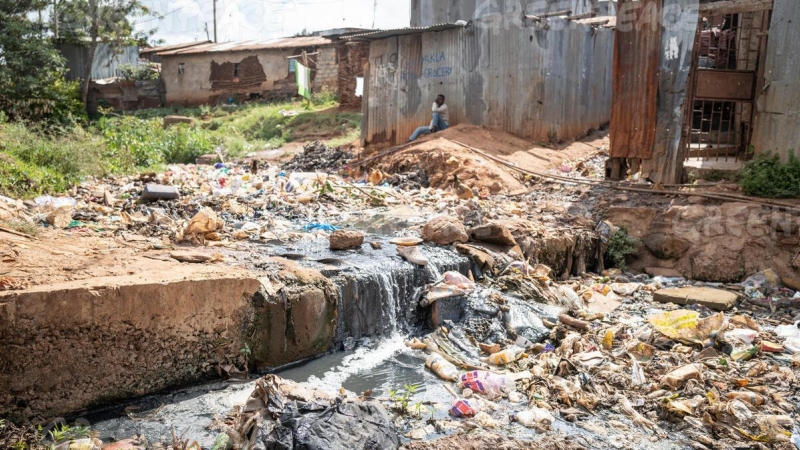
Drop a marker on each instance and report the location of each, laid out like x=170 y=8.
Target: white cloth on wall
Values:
x=359 y=86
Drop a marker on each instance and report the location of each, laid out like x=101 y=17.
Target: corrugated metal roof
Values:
x=166 y=48
x=380 y=34
x=243 y=46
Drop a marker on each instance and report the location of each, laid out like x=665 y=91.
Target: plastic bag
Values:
x=535 y=418
x=487 y=383
x=685 y=326
x=787 y=331
x=766 y=280
x=741 y=335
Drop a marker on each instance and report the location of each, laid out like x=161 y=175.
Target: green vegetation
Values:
x=621 y=246
x=402 y=398
x=46 y=159
x=766 y=176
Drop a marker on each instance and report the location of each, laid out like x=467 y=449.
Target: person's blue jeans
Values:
x=436 y=122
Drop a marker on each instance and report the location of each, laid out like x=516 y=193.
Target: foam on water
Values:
x=362 y=360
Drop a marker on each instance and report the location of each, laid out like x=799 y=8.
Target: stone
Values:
x=445 y=230
x=665 y=246
x=493 y=233
x=483 y=260
x=663 y=272
x=796 y=261
x=636 y=220
x=191 y=257
x=207 y=160
x=174 y=120
x=346 y=240
x=696 y=200
x=791 y=283
x=413 y=255
x=160 y=192
x=715 y=299
x=60 y=217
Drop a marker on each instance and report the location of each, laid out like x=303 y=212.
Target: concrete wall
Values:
x=777 y=124
x=431 y=12
x=542 y=83
x=208 y=77
x=73 y=346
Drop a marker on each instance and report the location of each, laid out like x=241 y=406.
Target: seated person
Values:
x=440 y=120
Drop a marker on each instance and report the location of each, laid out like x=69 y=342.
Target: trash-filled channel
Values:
x=477 y=344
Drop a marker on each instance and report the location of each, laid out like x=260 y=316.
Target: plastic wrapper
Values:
x=465 y=408
x=487 y=383
x=535 y=418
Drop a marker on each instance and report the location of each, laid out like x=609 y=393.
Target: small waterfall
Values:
x=377 y=298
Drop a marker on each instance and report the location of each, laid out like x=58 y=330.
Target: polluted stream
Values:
x=371 y=355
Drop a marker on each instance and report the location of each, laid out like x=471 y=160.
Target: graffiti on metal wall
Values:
x=440 y=70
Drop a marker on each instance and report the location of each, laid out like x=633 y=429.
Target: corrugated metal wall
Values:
x=431 y=12
x=538 y=83
x=777 y=125
x=107 y=60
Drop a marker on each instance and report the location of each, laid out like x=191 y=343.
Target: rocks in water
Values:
x=493 y=233
x=317 y=156
x=445 y=230
x=715 y=299
x=346 y=240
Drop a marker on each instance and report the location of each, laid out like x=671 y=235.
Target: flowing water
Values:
x=377 y=309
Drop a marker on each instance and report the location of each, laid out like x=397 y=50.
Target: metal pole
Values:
x=215 y=21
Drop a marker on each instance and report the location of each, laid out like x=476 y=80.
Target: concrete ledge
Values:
x=76 y=345
x=715 y=299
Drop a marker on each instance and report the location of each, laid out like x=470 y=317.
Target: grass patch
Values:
x=36 y=161
x=21 y=226
x=766 y=176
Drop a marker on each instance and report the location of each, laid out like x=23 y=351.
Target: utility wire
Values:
x=166 y=14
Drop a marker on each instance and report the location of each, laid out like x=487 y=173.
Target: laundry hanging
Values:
x=303 y=80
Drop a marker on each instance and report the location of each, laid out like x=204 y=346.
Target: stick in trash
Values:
x=450 y=389
x=578 y=324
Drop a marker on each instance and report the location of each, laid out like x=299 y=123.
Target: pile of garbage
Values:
x=317 y=156
x=523 y=350
x=283 y=415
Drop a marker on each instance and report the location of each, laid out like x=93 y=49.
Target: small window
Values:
x=292 y=65
x=181 y=68
x=236 y=70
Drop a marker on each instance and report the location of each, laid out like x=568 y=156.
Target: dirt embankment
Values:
x=442 y=157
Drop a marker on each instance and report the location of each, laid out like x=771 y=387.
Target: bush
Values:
x=621 y=246
x=142 y=72
x=767 y=177
x=139 y=143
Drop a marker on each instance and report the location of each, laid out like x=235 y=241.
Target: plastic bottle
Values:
x=509 y=355
x=441 y=367
x=535 y=418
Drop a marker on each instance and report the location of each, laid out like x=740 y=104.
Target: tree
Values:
x=32 y=86
x=93 y=21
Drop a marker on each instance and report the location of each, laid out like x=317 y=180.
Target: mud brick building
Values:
x=209 y=73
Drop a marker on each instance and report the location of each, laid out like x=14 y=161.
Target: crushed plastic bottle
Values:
x=507 y=356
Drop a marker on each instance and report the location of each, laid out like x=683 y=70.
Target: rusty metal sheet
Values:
x=635 y=85
x=725 y=85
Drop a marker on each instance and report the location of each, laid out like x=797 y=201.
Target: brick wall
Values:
x=327 y=69
x=352 y=57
